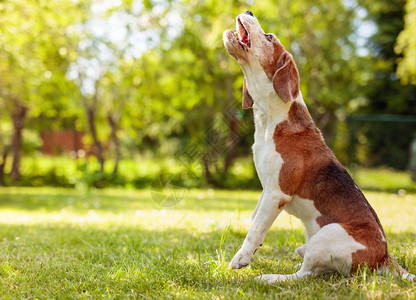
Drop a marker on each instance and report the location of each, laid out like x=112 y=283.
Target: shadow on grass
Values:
x=83 y=202
x=58 y=201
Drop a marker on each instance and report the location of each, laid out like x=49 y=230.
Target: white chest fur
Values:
x=267 y=160
x=268 y=113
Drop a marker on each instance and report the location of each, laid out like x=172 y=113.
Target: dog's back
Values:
x=312 y=172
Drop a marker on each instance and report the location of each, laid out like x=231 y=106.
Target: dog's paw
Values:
x=275 y=278
x=240 y=260
x=268 y=278
x=409 y=277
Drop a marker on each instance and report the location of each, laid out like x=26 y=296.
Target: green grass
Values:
x=386 y=180
x=58 y=243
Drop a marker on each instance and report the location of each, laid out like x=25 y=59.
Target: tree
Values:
x=4 y=142
x=32 y=38
x=200 y=75
x=193 y=82
x=119 y=86
x=103 y=68
x=406 y=45
x=189 y=86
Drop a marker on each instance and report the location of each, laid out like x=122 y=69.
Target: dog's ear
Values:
x=286 y=79
x=247 y=100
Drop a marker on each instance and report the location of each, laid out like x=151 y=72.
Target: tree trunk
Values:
x=3 y=165
x=18 y=117
x=328 y=125
x=97 y=144
x=207 y=172
x=113 y=121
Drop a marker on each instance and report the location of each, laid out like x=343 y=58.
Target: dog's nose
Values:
x=249 y=13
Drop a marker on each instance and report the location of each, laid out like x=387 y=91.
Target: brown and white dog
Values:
x=297 y=170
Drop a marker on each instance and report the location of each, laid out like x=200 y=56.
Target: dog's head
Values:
x=253 y=48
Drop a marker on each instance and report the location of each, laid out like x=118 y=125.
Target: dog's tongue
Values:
x=245 y=39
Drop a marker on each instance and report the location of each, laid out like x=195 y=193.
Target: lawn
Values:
x=58 y=243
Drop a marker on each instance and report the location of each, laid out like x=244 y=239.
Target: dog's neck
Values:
x=269 y=110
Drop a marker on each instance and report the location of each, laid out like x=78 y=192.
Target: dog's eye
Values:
x=269 y=37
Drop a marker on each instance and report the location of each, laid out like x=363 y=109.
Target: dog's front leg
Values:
x=270 y=205
x=257 y=208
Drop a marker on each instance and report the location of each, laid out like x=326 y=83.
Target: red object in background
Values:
x=58 y=142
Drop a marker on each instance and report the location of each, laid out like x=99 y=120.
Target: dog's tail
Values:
x=392 y=267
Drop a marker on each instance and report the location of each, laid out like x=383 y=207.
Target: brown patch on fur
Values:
x=311 y=171
x=281 y=69
x=367 y=233
x=286 y=81
x=273 y=58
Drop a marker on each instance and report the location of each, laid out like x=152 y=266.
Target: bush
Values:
x=158 y=173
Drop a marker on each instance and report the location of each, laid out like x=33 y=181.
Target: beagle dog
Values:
x=297 y=170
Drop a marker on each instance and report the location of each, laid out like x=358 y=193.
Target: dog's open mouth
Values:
x=243 y=36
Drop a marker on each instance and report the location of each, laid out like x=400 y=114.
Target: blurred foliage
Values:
x=155 y=173
x=151 y=78
x=34 y=36
x=386 y=143
x=331 y=71
x=406 y=44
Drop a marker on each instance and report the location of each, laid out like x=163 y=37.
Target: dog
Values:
x=298 y=171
